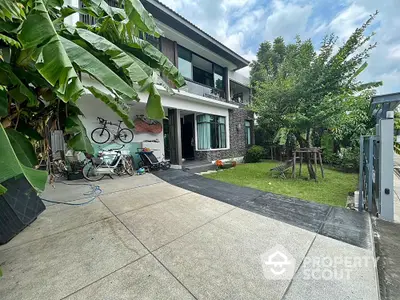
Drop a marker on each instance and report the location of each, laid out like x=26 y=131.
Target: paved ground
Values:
x=145 y=238
x=387 y=241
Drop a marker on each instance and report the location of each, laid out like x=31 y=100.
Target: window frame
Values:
x=217 y=125
x=213 y=72
x=247 y=132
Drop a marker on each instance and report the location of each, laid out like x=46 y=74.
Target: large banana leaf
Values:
x=3 y=190
x=133 y=68
x=117 y=105
x=10 y=9
x=20 y=90
x=154 y=107
x=3 y=102
x=80 y=141
x=151 y=55
x=138 y=15
x=91 y=65
x=22 y=147
x=117 y=55
x=9 y=41
x=52 y=61
x=12 y=167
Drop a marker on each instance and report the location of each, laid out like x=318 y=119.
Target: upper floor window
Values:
x=219 y=77
x=200 y=70
x=185 y=63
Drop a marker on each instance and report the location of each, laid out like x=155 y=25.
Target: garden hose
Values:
x=94 y=192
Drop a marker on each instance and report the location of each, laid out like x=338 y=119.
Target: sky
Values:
x=242 y=25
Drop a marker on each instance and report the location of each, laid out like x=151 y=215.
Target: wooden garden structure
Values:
x=314 y=154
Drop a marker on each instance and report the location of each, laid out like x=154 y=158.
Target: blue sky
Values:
x=243 y=24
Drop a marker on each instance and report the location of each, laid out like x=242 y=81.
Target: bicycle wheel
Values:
x=165 y=165
x=125 y=135
x=100 y=135
x=128 y=164
x=90 y=173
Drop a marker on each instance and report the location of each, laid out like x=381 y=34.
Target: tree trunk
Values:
x=310 y=167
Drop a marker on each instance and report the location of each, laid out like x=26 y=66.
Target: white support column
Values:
x=386 y=192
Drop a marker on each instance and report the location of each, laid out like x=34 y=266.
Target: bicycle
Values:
x=102 y=135
x=97 y=167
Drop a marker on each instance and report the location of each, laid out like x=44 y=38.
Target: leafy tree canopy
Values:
x=302 y=91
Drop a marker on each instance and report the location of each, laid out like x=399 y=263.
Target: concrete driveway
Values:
x=144 y=238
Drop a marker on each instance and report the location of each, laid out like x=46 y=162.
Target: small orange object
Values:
x=219 y=163
x=234 y=163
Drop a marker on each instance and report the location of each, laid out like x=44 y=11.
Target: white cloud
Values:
x=394 y=52
x=344 y=24
x=287 y=20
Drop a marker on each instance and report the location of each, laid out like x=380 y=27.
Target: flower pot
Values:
x=19 y=207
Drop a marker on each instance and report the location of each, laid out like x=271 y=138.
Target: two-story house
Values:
x=207 y=119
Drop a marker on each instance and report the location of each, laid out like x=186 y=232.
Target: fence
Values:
x=376 y=186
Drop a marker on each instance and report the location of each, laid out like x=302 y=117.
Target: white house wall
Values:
x=93 y=108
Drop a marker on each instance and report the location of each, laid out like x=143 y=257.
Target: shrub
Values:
x=254 y=154
x=349 y=159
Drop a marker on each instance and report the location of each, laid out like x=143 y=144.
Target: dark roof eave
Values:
x=177 y=22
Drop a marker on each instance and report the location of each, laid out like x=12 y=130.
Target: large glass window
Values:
x=247 y=128
x=185 y=63
x=202 y=76
x=219 y=80
x=201 y=70
x=211 y=132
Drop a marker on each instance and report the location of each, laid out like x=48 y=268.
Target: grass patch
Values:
x=332 y=190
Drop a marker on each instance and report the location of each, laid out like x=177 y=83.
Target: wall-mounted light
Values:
x=238 y=127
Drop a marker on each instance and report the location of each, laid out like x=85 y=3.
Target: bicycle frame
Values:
x=109 y=169
x=112 y=130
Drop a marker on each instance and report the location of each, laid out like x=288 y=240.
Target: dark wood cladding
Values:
x=168 y=49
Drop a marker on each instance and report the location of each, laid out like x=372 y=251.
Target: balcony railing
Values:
x=205 y=91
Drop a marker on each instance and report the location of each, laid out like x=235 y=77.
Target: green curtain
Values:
x=221 y=132
x=248 y=132
x=203 y=132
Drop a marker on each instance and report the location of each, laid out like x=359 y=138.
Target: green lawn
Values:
x=332 y=190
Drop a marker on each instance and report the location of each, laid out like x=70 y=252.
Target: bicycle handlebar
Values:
x=104 y=121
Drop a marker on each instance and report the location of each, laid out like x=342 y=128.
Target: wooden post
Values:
x=272 y=153
x=301 y=162
x=320 y=162
x=315 y=163
x=294 y=165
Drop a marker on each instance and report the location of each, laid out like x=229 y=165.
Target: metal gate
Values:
x=369 y=174
x=376 y=186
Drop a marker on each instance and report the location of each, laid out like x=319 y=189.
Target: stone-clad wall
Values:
x=237 y=137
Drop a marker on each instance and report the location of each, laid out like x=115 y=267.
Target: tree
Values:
x=43 y=61
x=309 y=90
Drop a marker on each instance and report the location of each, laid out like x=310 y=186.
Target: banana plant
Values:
x=43 y=61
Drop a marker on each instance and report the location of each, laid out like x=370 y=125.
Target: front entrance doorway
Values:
x=188 y=142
